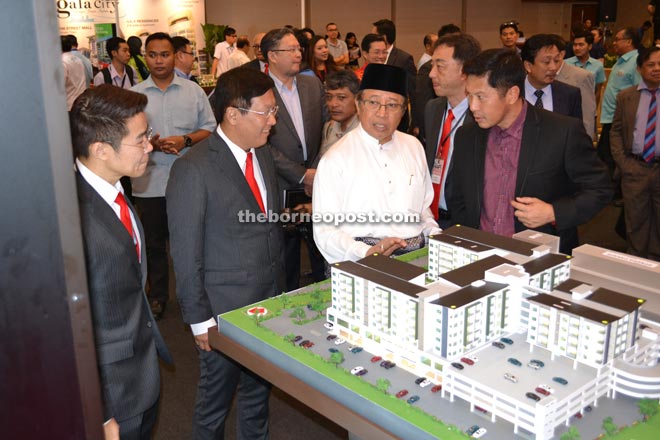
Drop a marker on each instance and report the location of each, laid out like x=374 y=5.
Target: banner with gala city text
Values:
x=131 y=17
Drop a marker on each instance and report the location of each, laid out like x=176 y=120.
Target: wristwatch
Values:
x=187 y=141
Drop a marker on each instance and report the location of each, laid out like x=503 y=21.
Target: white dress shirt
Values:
x=360 y=176
x=546 y=98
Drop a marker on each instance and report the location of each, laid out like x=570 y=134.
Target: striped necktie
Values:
x=649 y=136
x=539 y=100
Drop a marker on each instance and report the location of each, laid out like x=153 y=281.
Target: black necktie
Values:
x=539 y=101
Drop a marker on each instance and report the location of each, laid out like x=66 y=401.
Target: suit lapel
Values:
x=528 y=147
x=231 y=171
x=270 y=178
x=283 y=115
x=480 y=146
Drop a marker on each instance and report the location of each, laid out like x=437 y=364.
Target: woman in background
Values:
x=354 y=53
x=137 y=61
x=319 y=58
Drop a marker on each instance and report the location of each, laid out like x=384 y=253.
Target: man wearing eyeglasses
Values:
x=222 y=259
x=623 y=75
x=181 y=116
x=110 y=137
x=259 y=62
x=336 y=47
x=376 y=173
x=296 y=138
x=184 y=58
x=222 y=52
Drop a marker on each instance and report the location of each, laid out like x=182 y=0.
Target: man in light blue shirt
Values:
x=624 y=74
x=180 y=115
x=582 y=44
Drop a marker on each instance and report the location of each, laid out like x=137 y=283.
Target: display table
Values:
x=358 y=415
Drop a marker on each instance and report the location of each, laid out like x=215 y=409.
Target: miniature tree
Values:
x=258 y=318
x=337 y=358
x=290 y=338
x=648 y=407
x=383 y=384
x=299 y=314
x=318 y=307
x=609 y=426
x=285 y=300
x=317 y=295
x=571 y=434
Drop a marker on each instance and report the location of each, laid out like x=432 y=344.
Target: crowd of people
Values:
x=499 y=139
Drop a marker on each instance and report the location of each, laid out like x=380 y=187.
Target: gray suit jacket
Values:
x=585 y=81
x=126 y=336
x=286 y=145
x=623 y=128
x=220 y=262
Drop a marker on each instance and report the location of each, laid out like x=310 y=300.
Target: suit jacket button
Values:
x=149 y=324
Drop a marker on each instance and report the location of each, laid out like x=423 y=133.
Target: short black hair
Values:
x=74 y=40
x=450 y=28
x=180 y=43
x=503 y=67
x=113 y=45
x=631 y=34
x=465 y=46
x=65 y=41
x=386 y=27
x=509 y=24
x=342 y=78
x=100 y=113
x=588 y=37
x=229 y=31
x=272 y=39
x=428 y=39
x=645 y=54
x=242 y=41
x=159 y=36
x=237 y=88
x=537 y=42
x=368 y=39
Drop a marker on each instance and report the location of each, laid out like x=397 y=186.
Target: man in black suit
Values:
x=110 y=138
x=223 y=257
x=446 y=113
x=296 y=138
x=518 y=167
x=258 y=63
x=399 y=58
x=542 y=58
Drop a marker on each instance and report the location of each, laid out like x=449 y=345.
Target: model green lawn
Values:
x=276 y=307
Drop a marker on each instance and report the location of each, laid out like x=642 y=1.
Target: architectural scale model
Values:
x=480 y=288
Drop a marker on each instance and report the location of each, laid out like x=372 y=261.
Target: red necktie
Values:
x=252 y=182
x=266 y=68
x=443 y=152
x=125 y=217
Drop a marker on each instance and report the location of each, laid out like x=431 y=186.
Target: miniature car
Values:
x=362 y=372
x=588 y=408
x=376 y=358
x=560 y=380
x=480 y=433
x=356 y=349
x=303 y=343
x=498 y=345
x=548 y=388
x=332 y=350
x=297 y=338
x=401 y=393
x=457 y=365
x=511 y=377
x=507 y=341
x=339 y=341
x=478 y=408
x=515 y=362
x=413 y=399
x=468 y=361
x=423 y=383
x=542 y=391
x=532 y=396
x=387 y=364
x=328 y=325
x=537 y=362
x=436 y=388
x=307 y=344
x=356 y=370
x=472 y=429
x=578 y=415
x=331 y=337
x=533 y=365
